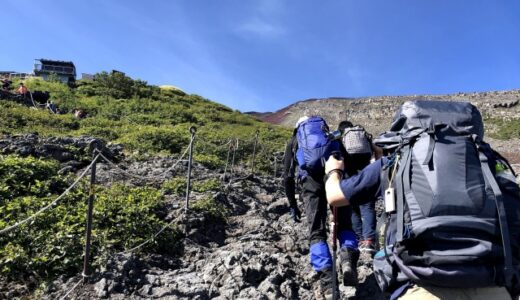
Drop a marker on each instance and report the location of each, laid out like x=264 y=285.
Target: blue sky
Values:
x=265 y=54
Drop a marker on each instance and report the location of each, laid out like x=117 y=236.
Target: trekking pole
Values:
x=91 y=198
x=334 y=223
x=254 y=153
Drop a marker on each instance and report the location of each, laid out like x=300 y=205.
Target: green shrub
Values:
x=504 y=129
x=151 y=139
x=27 y=176
x=176 y=185
x=211 y=208
x=208 y=185
x=209 y=160
x=52 y=243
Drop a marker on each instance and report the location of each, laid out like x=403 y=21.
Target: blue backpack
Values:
x=314 y=147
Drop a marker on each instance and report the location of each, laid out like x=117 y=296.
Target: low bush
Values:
x=52 y=243
x=211 y=208
x=504 y=129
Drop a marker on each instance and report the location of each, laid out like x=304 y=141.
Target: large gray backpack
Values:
x=453 y=203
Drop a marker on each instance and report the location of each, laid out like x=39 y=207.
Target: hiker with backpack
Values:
x=452 y=206
x=358 y=152
x=307 y=151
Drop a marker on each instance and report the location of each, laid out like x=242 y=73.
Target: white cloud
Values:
x=261 y=28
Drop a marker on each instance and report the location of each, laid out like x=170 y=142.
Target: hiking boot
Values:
x=349 y=260
x=326 y=288
x=367 y=245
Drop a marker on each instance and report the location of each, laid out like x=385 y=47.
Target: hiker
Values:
x=300 y=152
x=79 y=113
x=457 y=239
x=23 y=95
x=6 y=84
x=22 y=90
x=358 y=152
x=288 y=178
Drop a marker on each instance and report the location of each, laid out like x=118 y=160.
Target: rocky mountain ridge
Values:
x=376 y=113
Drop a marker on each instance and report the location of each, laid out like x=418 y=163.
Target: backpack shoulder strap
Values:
x=401 y=181
x=502 y=216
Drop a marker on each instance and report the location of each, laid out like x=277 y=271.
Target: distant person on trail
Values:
x=458 y=238
x=24 y=96
x=22 y=90
x=6 y=84
x=297 y=156
x=358 y=152
x=79 y=114
x=289 y=180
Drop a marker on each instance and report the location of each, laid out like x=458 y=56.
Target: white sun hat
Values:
x=301 y=120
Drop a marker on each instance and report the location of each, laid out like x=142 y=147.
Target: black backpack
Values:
x=453 y=204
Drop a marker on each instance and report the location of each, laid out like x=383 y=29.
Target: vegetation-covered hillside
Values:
x=149 y=122
x=145 y=119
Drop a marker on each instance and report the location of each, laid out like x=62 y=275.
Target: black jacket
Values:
x=289 y=162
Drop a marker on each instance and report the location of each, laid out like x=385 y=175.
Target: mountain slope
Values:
x=376 y=113
x=500 y=110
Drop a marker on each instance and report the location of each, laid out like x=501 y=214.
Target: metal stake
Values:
x=227 y=159
x=233 y=160
x=91 y=198
x=193 y=130
x=254 y=153
x=275 y=165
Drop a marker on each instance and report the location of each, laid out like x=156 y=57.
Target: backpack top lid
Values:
x=462 y=117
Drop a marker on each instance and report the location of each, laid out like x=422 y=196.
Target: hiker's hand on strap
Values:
x=333 y=170
x=334 y=164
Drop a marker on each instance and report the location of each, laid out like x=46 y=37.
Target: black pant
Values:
x=315 y=201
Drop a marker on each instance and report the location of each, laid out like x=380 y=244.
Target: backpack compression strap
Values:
x=403 y=174
x=502 y=217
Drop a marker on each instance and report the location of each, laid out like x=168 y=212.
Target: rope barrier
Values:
x=225 y=144
x=36 y=105
x=156 y=177
x=7 y=229
x=232 y=144
x=71 y=290
x=152 y=238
